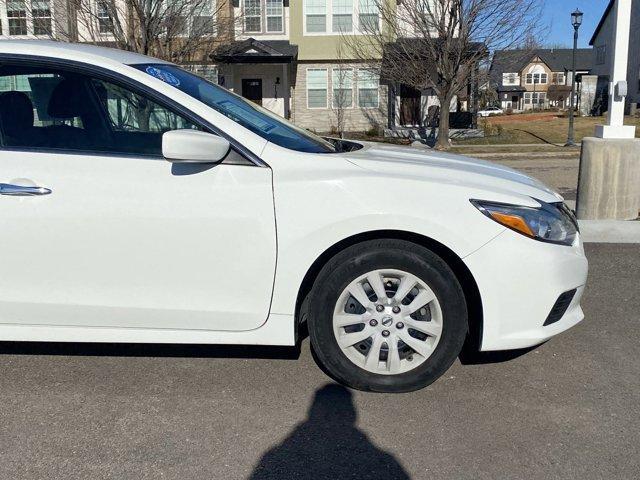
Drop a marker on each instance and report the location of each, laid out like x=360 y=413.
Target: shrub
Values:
x=491 y=129
x=374 y=131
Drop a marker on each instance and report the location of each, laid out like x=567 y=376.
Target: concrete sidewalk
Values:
x=610 y=231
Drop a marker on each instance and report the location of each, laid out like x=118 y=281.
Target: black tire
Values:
x=371 y=255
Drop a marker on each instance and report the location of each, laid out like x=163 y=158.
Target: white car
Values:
x=140 y=203
x=490 y=111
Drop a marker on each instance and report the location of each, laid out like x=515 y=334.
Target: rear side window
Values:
x=52 y=109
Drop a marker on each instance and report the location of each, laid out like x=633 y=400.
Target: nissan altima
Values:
x=141 y=203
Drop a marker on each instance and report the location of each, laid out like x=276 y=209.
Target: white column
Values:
x=285 y=89
x=615 y=127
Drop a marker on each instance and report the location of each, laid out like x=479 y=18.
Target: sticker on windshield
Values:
x=163 y=75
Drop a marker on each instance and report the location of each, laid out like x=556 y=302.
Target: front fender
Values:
x=315 y=210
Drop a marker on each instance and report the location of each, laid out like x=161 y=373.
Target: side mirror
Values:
x=193 y=146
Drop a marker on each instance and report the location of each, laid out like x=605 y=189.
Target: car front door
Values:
x=98 y=230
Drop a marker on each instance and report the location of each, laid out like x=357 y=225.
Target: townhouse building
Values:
x=541 y=78
x=287 y=55
x=602 y=42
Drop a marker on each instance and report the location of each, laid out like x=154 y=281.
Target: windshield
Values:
x=248 y=114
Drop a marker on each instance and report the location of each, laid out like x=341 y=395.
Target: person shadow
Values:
x=328 y=445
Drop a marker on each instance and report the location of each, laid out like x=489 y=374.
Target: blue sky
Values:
x=558 y=19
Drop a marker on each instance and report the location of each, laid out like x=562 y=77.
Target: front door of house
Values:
x=409 y=106
x=252 y=89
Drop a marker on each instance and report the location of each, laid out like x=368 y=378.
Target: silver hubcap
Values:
x=387 y=321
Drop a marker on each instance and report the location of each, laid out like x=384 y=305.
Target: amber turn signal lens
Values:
x=512 y=221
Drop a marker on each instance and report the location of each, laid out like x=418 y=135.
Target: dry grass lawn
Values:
x=542 y=128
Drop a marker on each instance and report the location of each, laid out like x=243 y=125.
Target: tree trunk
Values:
x=442 y=142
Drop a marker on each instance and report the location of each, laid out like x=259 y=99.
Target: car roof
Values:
x=82 y=52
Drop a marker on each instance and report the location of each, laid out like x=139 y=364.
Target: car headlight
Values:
x=551 y=222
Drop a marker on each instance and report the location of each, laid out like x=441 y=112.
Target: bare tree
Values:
x=176 y=30
x=438 y=44
x=341 y=90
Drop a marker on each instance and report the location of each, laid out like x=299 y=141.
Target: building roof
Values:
x=511 y=88
x=601 y=22
x=557 y=59
x=256 y=51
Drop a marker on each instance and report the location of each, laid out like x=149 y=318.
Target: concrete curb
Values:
x=610 y=231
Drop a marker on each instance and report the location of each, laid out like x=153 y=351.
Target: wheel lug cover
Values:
x=379 y=308
x=399 y=325
x=373 y=322
x=385 y=333
x=396 y=309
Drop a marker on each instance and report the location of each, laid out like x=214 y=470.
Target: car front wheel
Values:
x=387 y=316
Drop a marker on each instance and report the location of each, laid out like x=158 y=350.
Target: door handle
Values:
x=22 y=191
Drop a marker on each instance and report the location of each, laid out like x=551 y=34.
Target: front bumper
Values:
x=520 y=280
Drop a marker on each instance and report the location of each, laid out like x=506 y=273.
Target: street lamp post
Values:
x=576 y=21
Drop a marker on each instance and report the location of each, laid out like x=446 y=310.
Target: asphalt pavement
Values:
x=567 y=409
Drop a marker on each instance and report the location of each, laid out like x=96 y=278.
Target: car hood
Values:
x=449 y=168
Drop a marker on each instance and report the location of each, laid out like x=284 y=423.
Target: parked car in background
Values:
x=141 y=203
x=488 y=111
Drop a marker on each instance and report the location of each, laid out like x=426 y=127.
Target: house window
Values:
x=342 y=83
x=17 y=17
x=535 y=98
x=105 y=23
x=263 y=16
x=275 y=11
x=342 y=16
x=368 y=84
x=601 y=55
x=41 y=13
x=368 y=15
x=535 y=78
x=252 y=16
x=558 y=79
x=208 y=72
x=510 y=79
x=316 y=16
x=317 y=88
x=203 y=22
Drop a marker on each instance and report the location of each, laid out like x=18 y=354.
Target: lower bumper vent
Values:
x=560 y=307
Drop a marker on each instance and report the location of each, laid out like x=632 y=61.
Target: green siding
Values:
x=314 y=47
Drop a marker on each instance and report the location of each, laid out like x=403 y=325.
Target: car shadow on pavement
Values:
x=149 y=350
x=328 y=445
x=470 y=356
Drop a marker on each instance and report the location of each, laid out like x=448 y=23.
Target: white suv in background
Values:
x=488 y=111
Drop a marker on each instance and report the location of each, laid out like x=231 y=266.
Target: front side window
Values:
x=368 y=83
x=315 y=16
x=317 y=88
x=251 y=116
x=53 y=109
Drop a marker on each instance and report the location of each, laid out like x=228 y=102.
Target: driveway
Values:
x=567 y=409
